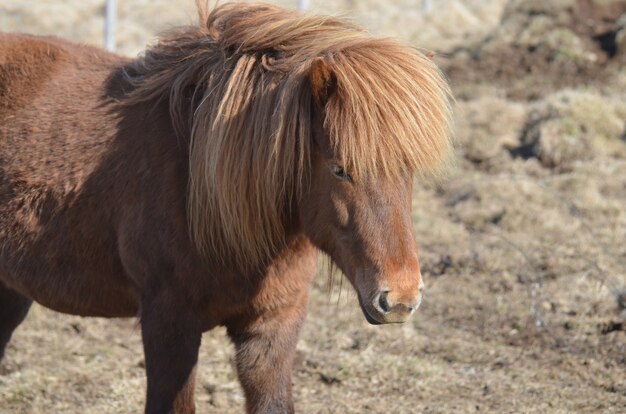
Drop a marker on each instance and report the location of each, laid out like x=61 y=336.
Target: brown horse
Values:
x=194 y=185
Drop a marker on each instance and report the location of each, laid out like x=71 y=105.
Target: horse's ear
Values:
x=323 y=81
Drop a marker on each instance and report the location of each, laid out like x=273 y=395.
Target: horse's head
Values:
x=312 y=125
x=364 y=225
x=362 y=220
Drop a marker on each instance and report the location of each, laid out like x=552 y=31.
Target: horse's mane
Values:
x=247 y=69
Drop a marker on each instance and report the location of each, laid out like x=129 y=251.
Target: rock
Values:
x=574 y=125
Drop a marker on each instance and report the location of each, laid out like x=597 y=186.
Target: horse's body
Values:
x=57 y=224
x=100 y=197
x=80 y=209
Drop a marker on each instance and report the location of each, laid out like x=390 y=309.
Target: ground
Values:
x=522 y=246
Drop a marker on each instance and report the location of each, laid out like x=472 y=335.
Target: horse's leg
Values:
x=13 y=310
x=265 y=351
x=171 y=340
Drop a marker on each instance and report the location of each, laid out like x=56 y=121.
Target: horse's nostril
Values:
x=382 y=302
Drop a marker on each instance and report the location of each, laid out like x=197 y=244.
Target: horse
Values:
x=193 y=186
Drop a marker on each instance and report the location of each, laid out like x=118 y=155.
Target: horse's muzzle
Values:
x=387 y=308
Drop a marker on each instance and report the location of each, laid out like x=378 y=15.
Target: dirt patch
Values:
x=541 y=46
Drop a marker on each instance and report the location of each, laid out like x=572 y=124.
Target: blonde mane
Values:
x=247 y=66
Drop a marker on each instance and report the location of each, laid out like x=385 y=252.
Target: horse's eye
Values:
x=340 y=172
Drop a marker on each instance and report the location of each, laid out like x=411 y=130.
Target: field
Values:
x=522 y=247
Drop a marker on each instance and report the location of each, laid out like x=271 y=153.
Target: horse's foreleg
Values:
x=265 y=351
x=13 y=310
x=171 y=339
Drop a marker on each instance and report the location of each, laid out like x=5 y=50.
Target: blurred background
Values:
x=522 y=248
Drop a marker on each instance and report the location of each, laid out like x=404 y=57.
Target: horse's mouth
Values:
x=368 y=316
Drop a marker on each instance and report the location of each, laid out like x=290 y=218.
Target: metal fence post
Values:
x=303 y=5
x=427 y=6
x=110 y=16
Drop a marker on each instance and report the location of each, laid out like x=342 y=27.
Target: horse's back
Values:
x=55 y=117
x=26 y=64
x=29 y=63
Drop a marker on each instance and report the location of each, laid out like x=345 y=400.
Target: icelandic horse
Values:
x=194 y=185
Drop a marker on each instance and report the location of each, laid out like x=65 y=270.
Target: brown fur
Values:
x=193 y=186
